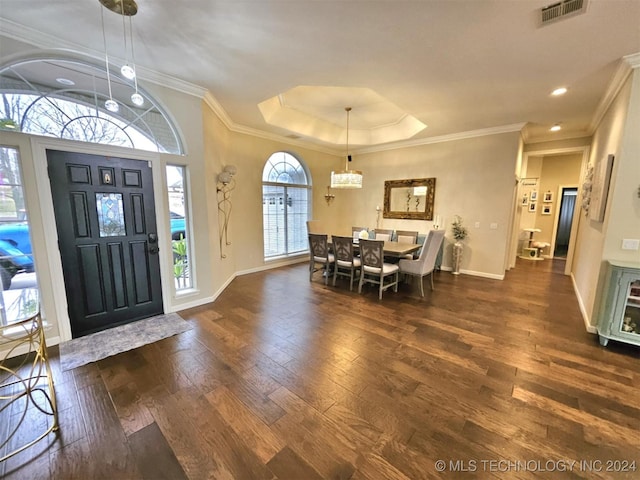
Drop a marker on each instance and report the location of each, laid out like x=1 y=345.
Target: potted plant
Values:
x=460 y=232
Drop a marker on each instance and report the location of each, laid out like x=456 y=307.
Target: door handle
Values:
x=153 y=249
x=153 y=238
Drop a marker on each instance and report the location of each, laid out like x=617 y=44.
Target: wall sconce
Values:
x=226 y=184
x=329 y=196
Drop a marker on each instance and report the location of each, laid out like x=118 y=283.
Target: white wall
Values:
x=616 y=134
x=475 y=178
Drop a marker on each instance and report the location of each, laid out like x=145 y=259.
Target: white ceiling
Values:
x=456 y=66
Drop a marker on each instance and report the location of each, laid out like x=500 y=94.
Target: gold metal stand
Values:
x=25 y=382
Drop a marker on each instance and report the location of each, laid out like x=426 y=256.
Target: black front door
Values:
x=106 y=225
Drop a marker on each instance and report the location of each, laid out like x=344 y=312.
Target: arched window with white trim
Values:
x=65 y=98
x=286 y=194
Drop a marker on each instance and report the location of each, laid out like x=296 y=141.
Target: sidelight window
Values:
x=180 y=228
x=17 y=270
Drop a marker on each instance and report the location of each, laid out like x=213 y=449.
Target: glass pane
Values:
x=110 y=214
x=297 y=208
x=16 y=260
x=273 y=214
x=178 y=221
x=631 y=320
x=283 y=167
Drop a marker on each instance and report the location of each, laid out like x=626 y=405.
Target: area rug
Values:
x=94 y=347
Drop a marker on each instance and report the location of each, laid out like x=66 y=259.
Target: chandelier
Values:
x=347 y=178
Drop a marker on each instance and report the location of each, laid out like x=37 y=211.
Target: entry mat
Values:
x=94 y=347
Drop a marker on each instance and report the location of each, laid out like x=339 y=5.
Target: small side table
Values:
x=25 y=381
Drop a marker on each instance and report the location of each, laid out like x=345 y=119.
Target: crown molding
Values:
x=483 y=132
x=632 y=60
x=44 y=41
x=625 y=66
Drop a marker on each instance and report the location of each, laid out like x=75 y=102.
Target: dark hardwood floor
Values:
x=290 y=379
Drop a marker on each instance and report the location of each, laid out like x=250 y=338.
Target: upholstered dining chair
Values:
x=346 y=264
x=315 y=226
x=319 y=255
x=355 y=232
x=425 y=264
x=382 y=234
x=374 y=269
x=406 y=236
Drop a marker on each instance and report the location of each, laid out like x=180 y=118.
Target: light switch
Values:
x=477 y=225
x=630 y=244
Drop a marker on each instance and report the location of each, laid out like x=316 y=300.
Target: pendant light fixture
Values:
x=347 y=178
x=136 y=98
x=127 y=70
x=125 y=8
x=110 y=104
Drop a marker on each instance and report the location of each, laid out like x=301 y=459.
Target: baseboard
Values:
x=23 y=349
x=275 y=264
x=195 y=303
x=473 y=273
x=585 y=317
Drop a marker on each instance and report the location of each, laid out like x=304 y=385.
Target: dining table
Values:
x=395 y=249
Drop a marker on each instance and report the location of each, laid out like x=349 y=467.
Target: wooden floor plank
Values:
x=154 y=457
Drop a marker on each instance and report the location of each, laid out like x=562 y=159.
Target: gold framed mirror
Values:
x=409 y=199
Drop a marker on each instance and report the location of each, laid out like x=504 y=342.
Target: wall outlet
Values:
x=493 y=226
x=477 y=225
x=630 y=244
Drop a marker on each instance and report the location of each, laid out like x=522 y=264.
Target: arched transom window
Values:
x=65 y=99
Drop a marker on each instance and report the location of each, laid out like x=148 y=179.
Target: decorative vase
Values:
x=458 y=247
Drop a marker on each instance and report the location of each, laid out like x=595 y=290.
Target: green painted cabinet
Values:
x=620 y=313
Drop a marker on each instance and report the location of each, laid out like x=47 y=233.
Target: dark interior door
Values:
x=106 y=224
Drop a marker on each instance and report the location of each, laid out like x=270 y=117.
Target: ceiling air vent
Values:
x=561 y=10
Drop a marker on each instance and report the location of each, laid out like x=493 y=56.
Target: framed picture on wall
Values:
x=600 y=188
x=546 y=209
x=525 y=200
x=533 y=196
x=532 y=206
x=548 y=197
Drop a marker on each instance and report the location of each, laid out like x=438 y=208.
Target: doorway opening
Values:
x=565 y=220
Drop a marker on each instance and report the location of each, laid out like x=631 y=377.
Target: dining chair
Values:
x=374 y=269
x=320 y=255
x=382 y=234
x=355 y=232
x=346 y=264
x=425 y=264
x=314 y=226
x=406 y=236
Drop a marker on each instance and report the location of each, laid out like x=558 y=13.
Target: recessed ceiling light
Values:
x=555 y=128
x=65 y=81
x=559 y=91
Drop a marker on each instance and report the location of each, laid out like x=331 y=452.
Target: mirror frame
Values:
x=427 y=214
